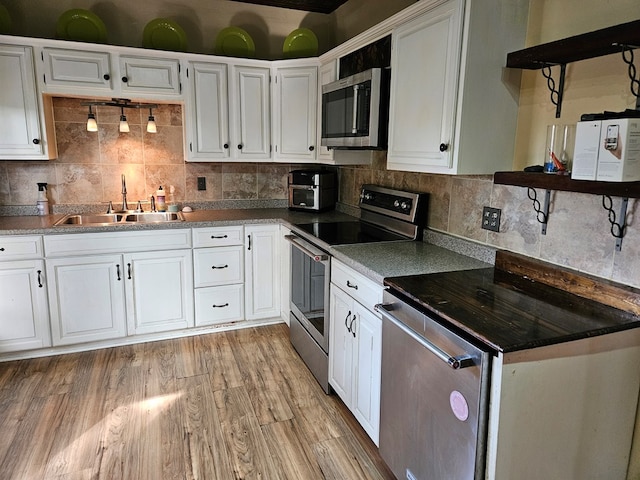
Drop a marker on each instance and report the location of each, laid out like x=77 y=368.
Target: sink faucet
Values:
x=153 y=203
x=124 y=194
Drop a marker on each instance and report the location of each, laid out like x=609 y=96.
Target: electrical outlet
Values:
x=202 y=183
x=491 y=218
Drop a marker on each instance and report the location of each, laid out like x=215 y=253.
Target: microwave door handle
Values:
x=354 y=127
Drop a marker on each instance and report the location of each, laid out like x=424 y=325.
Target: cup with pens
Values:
x=559 y=148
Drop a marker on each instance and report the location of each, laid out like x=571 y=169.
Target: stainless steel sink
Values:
x=150 y=217
x=116 y=218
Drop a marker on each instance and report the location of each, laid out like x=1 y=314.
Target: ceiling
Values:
x=318 y=6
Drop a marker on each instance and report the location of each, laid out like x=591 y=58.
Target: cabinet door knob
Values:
x=311 y=148
x=40 y=278
x=226 y=145
x=36 y=141
x=346 y=319
x=118 y=270
x=444 y=147
x=106 y=76
x=239 y=146
x=125 y=79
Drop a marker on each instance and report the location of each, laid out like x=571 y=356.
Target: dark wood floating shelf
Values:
x=564 y=183
x=580 y=47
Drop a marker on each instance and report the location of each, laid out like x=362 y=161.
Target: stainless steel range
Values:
x=387 y=215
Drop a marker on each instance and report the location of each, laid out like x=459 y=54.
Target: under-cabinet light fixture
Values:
x=121 y=103
x=92 y=125
x=151 y=123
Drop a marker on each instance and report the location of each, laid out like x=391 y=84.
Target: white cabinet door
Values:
x=208 y=118
x=295 y=114
x=262 y=271
x=159 y=291
x=150 y=76
x=24 y=314
x=424 y=61
x=367 y=334
x=21 y=132
x=327 y=74
x=76 y=69
x=251 y=113
x=86 y=298
x=342 y=316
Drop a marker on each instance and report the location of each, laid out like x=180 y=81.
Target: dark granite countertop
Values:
x=508 y=312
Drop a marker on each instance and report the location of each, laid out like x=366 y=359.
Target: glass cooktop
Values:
x=344 y=233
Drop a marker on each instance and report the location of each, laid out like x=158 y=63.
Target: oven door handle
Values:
x=461 y=361
x=307 y=249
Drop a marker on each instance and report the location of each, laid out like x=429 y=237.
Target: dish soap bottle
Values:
x=161 y=202
x=43 y=202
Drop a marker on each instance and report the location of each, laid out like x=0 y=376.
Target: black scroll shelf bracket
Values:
x=624 y=37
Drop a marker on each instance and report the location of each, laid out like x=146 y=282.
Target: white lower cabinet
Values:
x=24 y=314
x=86 y=296
x=218 y=275
x=262 y=271
x=355 y=351
x=159 y=291
x=112 y=290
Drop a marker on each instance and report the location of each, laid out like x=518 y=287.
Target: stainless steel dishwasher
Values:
x=434 y=397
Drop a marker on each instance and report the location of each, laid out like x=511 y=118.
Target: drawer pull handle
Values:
x=346 y=319
x=220 y=306
x=1 y=249
x=40 y=278
x=224 y=266
x=218 y=236
x=351 y=285
x=118 y=270
x=129 y=271
x=352 y=327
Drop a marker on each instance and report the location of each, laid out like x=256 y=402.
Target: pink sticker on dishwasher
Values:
x=459 y=405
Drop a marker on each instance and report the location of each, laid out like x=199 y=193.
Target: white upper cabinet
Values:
x=207 y=118
x=88 y=69
x=250 y=113
x=294 y=114
x=22 y=127
x=451 y=110
x=150 y=75
x=104 y=73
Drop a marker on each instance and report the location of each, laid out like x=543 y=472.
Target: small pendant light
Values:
x=124 y=126
x=151 y=124
x=92 y=125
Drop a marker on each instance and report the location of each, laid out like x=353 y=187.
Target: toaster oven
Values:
x=314 y=190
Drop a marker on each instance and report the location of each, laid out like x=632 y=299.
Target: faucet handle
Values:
x=139 y=207
x=110 y=207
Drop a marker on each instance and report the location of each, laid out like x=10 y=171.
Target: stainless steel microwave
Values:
x=355 y=111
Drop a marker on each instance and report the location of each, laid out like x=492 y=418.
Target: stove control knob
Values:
x=368 y=196
x=404 y=206
x=396 y=203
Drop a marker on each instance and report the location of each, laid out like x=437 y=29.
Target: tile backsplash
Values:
x=578 y=233
x=90 y=164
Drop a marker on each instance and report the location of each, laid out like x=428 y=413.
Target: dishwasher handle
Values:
x=461 y=361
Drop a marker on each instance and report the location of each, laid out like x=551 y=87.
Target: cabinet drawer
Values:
x=116 y=242
x=19 y=248
x=365 y=291
x=215 y=305
x=218 y=236
x=218 y=266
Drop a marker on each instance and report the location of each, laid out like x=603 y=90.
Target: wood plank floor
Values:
x=229 y=405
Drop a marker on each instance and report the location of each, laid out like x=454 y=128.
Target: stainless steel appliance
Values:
x=433 y=396
x=387 y=215
x=355 y=111
x=315 y=190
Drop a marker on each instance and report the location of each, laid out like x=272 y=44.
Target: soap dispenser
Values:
x=43 y=202
x=161 y=201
